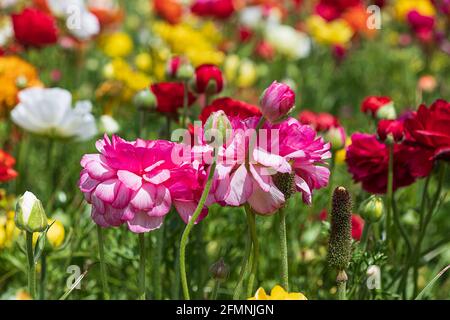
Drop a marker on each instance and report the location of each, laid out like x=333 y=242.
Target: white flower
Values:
x=254 y=16
x=49 y=112
x=7 y=3
x=108 y=125
x=80 y=22
x=89 y=26
x=288 y=41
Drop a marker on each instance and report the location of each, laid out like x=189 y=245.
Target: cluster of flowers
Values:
x=418 y=139
x=137 y=182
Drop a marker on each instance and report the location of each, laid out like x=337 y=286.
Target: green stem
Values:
x=43 y=276
x=390 y=182
x=283 y=250
x=244 y=265
x=342 y=288
x=31 y=265
x=187 y=230
x=101 y=254
x=365 y=235
x=142 y=255
x=157 y=263
x=215 y=290
x=251 y=220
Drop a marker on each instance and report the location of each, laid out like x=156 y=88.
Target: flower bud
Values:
x=217 y=129
x=208 y=79
x=390 y=130
x=387 y=112
x=379 y=107
x=277 y=101
x=179 y=69
x=336 y=136
x=372 y=209
x=145 y=99
x=30 y=215
x=339 y=246
x=219 y=270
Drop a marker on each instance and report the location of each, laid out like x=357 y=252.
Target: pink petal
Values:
x=131 y=180
x=123 y=196
x=260 y=180
x=106 y=190
x=141 y=222
x=157 y=178
x=99 y=171
x=144 y=199
x=241 y=187
x=266 y=202
x=304 y=188
x=163 y=202
x=186 y=208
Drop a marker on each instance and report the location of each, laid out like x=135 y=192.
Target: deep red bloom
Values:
x=393 y=127
x=33 y=27
x=428 y=128
x=232 y=108
x=173 y=65
x=332 y=9
x=321 y=121
x=422 y=26
x=372 y=104
x=169 y=96
x=357 y=227
x=245 y=34
x=208 y=79
x=6 y=167
x=368 y=158
x=219 y=9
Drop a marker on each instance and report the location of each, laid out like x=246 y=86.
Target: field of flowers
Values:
x=224 y=149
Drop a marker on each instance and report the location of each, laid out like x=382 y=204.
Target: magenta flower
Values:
x=277 y=101
x=136 y=183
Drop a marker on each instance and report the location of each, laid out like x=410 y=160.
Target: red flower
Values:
x=6 y=167
x=357 y=227
x=421 y=25
x=220 y=9
x=33 y=27
x=368 y=159
x=245 y=34
x=169 y=96
x=428 y=128
x=332 y=9
x=265 y=50
x=208 y=79
x=393 y=127
x=232 y=108
x=319 y=121
x=372 y=104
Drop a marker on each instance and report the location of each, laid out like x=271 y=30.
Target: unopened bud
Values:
x=372 y=209
x=336 y=136
x=387 y=112
x=30 y=215
x=277 y=101
x=145 y=99
x=217 y=129
x=219 y=270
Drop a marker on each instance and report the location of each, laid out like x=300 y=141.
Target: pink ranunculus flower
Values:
x=136 y=183
x=245 y=175
x=277 y=101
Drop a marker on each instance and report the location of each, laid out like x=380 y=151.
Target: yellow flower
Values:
x=277 y=293
x=116 y=45
x=14 y=70
x=340 y=155
x=197 y=43
x=403 y=7
x=8 y=230
x=56 y=233
x=22 y=295
x=242 y=73
x=336 y=32
x=143 y=62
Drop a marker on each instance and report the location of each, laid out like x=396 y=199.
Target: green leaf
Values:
x=431 y=283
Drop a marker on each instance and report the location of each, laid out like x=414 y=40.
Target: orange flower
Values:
x=357 y=17
x=15 y=74
x=170 y=10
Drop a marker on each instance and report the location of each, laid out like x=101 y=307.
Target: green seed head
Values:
x=339 y=247
x=285 y=183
